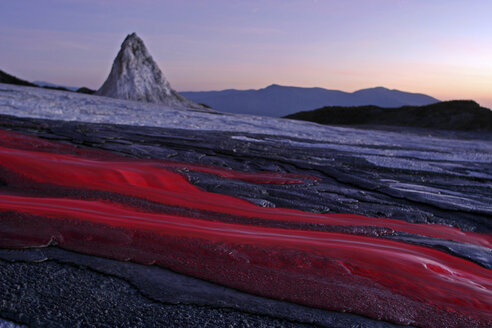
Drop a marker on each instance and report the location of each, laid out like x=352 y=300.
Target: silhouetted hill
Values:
x=276 y=100
x=86 y=91
x=452 y=115
x=10 y=79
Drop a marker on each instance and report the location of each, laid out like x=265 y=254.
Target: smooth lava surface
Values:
x=55 y=193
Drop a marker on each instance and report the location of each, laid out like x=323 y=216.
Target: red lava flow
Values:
x=380 y=278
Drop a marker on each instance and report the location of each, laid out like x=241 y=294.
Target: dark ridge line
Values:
x=469 y=116
x=11 y=79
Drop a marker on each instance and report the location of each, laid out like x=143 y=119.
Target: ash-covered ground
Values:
x=416 y=175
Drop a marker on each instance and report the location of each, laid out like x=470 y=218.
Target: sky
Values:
x=439 y=47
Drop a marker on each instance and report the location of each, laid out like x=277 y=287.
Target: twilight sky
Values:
x=439 y=47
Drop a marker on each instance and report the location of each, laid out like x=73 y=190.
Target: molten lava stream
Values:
x=376 y=277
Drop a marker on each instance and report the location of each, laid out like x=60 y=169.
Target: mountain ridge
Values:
x=277 y=100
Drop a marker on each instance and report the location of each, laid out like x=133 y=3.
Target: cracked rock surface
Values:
x=56 y=288
x=420 y=176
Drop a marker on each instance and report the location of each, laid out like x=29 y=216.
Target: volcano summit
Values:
x=136 y=76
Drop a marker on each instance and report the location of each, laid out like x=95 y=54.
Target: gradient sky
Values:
x=439 y=47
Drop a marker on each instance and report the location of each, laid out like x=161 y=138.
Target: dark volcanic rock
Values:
x=452 y=115
x=134 y=295
x=444 y=180
x=435 y=183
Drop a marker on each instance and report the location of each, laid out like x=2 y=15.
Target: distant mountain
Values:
x=136 y=76
x=277 y=101
x=10 y=79
x=450 y=115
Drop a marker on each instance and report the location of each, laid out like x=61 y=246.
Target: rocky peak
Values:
x=136 y=76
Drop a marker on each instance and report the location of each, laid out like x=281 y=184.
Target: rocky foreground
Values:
x=243 y=177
